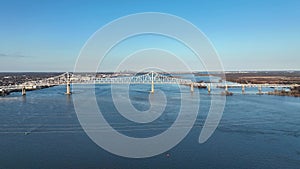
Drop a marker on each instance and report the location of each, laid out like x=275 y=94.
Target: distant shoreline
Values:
x=249 y=77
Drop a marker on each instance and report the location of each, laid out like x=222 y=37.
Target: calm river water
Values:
x=41 y=130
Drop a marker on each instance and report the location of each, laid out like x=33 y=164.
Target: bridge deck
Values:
x=148 y=78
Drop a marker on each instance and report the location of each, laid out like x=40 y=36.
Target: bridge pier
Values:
x=23 y=91
x=68 y=88
x=208 y=88
x=192 y=87
x=243 y=89
x=152 y=83
x=259 y=89
x=152 y=87
x=68 y=85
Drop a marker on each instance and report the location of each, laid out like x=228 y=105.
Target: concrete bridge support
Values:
x=152 y=83
x=208 y=88
x=243 y=89
x=152 y=87
x=23 y=91
x=259 y=89
x=192 y=87
x=68 y=88
x=68 y=85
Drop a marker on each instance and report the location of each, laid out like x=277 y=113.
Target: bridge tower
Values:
x=23 y=91
x=152 y=82
x=68 y=85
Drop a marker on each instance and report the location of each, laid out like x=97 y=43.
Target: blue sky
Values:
x=248 y=35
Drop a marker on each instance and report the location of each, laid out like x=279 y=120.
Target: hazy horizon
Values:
x=195 y=71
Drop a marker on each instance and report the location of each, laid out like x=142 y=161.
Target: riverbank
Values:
x=295 y=92
x=277 y=77
x=5 y=92
x=264 y=77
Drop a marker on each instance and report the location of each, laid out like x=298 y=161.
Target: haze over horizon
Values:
x=48 y=35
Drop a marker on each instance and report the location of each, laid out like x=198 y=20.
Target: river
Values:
x=41 y=130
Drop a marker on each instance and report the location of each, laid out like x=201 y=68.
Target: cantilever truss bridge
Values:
x=148 y=78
